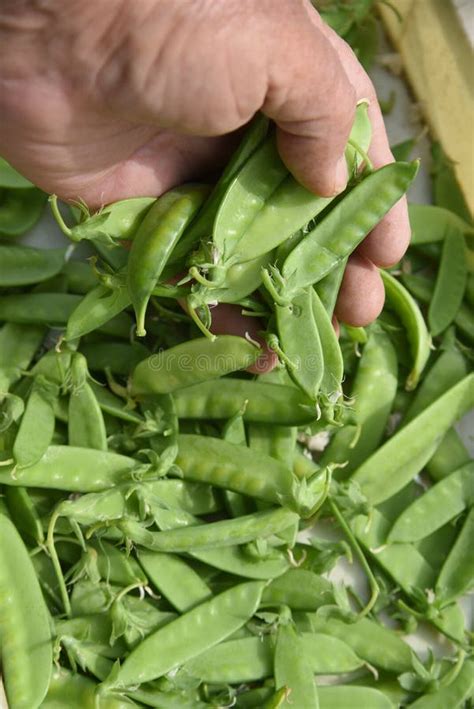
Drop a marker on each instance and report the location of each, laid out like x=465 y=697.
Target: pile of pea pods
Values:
x=171 y=522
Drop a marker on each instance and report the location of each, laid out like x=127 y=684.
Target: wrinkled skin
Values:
x=102 y=100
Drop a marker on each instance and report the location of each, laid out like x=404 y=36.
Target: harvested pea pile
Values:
x=152 y=490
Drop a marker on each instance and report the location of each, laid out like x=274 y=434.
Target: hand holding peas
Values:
x=112 y=100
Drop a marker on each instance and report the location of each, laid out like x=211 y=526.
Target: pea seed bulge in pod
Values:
x=235 y=423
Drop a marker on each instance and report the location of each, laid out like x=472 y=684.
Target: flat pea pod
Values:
x=453 y=695
x=24 y=265
x=276 y=441
x=26 y=648
x=450 y=455
x=293 y=670
x=234 y=560
x=20 y=210
x=223 y=464
x=78 y=692
x=373 y=392
x=339 y=696
x=86 y=427
x=175 y=579
x=98 y=307
x=265 y=402
x=37 y=423
x=114 y=565
x=299 y=589
x=430 y=223
x=71 y=469
x=182 y=639
x=402 y=457
x=212 y=535
x=117 y=357
x=12 y=179
x=191 y=362
x=342 y=230
x=18 y=345
x=299 y=339
x=154 y=241
x=331 y=383
x=435 y=507
x=450 y=283
x=80 y=277
x=328 y=287
x=24 y=514
x=38 y=308
x=457 y=574
x=399 y=300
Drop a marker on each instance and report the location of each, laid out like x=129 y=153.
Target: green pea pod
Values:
x=20 y=209
x=24 y=514
x=175 y=579
x=18 y=345
x=300 y=342
x=331 y=383
x=350 y=696
x=452 y=695
x=117 y=357
x=345 y=226
x=111 y=404
x=406 y=308
x=191 y=362
x=115 y=565
x=299 y=589
x=430 y=223
x=37 y=424
x=38 y=308
x=154 y=241
x=71 y=469
x=450 y=283
x=402 y=457
x=24 y=265
x=12 y=179
x=441 y=503
x=293 y=670
x=183 y=639
x=403 y=150
x=86 y=427
x=26 y=648
x=235 y=560
x=276 y=441
x=328 y=287
x=261 y=402
x=98 y=307
x=80 y=277
x=78 y=692
x=449 y=455
x=457 y=574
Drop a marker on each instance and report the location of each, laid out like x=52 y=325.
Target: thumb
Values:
x=312 y=102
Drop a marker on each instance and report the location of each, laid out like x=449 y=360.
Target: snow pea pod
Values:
x=12 y=179
x=450 y=455
x=20 y=209
x=191 y=362
x=26 y=648
x=457 y=574
x=24 y=265
x=430 y=223
x=276 y=441
x=234 y=560
x=98 y=307
x=452 y=695
x=111 y=404
x=293 y=670
x=78 y=692
x=352 y=696
x=175 y=579
x=331 y=383
x=299 y=589
x=80 y=277
x=154 y=241
x=86 y=427
x=37 y=424
x=24 y=513
x=450 y=283
x=18 y=345
x=435 y=507
x=342 y=230
x=265 y=402
x=399 y=300
x=402 y=457
x=71 y=469
x=328 y=287
x=118 y=357
x=182 y=639
x=38 y=308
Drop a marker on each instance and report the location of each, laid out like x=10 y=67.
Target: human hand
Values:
x=102 y=101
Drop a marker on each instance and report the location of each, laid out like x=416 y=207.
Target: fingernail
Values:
x=340 y=176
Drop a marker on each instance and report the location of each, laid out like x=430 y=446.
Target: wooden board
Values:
x=439 y=63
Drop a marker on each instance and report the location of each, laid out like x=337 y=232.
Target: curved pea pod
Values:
x=457 y=574
x=352 y=696
x=399 y=300
x=373 y=392
x=293 y=670
x=182 y=639
x=452 y=695
x=72 y=469
x=20 y=209
x=10 y=178
x=300 y=590
x=240 y=280
x=342 y=230
x=264 y=402
x=450 y=283
x=26 y=647
x=175 y=579
x=234 y=560
x=119 y=220
x=331 y=383
x=24 y=265
x=98 y=307
x=86 y=427
x=18 y=345
x=78 y=692
x=402 y=457
x=154 y=241
x=37 y=424
x=435 y=507
x=430 y=223
x=191 y=362
x=212 y=535
x=300 y=342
